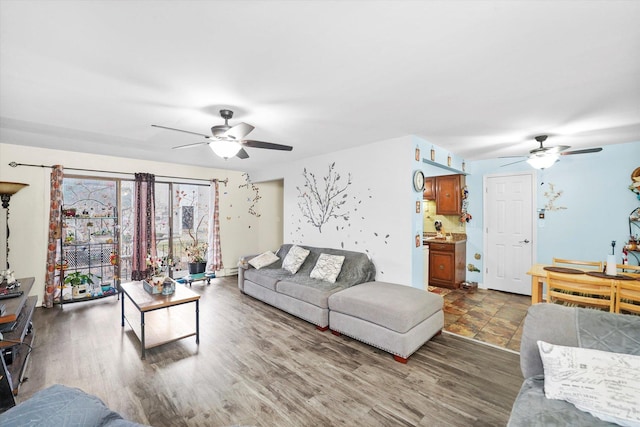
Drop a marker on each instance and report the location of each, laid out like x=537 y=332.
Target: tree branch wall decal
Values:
x=253 y=200
x=552 y=196
x=325 y=199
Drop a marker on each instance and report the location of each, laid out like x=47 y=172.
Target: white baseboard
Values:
x=227 y=272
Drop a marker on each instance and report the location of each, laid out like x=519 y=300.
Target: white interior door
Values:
x=509 y=232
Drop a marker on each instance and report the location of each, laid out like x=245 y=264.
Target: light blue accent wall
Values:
x=594 y=191
x=441 y=157
x=417 y=259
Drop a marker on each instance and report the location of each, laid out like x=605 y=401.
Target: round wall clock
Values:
x=418 y=180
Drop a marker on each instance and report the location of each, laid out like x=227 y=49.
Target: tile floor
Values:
x=489 y=316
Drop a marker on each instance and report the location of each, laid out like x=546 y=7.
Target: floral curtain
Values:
x=57 y=174
x=144 y=230
x=214 y=252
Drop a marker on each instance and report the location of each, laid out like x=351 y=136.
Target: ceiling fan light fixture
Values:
x=543 y=162
x=225 y=148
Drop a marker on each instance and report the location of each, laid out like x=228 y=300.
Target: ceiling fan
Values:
x=544 y=157
x=228 y=141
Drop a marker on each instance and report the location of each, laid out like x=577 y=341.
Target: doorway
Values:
x=509 y=243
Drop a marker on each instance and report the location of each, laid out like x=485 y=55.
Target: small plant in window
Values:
x=196 y=250
x=78 y=278
x=196 y=253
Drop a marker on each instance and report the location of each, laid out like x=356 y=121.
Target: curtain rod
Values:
x=224 y=181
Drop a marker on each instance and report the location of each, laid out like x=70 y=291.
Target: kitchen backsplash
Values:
x=450 y=223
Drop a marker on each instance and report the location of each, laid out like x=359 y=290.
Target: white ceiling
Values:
x=479 y=78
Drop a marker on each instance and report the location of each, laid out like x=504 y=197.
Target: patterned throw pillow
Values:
x=327 y=268
x=603 y=383
x=263 y=260
x=294 y=259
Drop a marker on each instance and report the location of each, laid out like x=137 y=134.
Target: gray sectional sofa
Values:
x=569 y=327
x=396 y=318
x=298 y=294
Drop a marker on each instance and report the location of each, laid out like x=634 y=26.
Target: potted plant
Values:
x=196 y=252
x=196 y=255
x=78 y=278
x=79 y=282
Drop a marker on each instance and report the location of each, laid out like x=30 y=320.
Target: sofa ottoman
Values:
x=395 y=318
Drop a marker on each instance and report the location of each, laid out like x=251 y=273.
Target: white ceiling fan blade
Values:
x=239 y=131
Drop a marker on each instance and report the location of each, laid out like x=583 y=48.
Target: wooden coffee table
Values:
x=163 y=327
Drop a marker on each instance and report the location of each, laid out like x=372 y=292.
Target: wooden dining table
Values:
x=539 y=276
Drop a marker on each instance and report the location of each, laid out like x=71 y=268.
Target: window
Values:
x=181 y=211
x=190 y=207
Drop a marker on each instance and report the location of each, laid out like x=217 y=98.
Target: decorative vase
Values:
x=169 y=287
x=79 y=291
x=197 y=267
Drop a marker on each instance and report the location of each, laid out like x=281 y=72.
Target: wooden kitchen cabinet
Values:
x=447 y=264
x=429 y=192
x=448 y=190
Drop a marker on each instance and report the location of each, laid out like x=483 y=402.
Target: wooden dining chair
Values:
x=596 y=265
x=627 y=296
x=577 y=291
x=626 y=268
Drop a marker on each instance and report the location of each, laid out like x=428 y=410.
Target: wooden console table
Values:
x=163 y=328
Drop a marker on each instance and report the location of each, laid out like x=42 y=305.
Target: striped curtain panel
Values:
x=55 y=211
x=214 y=251
x=144 y=229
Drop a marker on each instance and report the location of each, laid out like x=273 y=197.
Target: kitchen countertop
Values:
x=431 y=238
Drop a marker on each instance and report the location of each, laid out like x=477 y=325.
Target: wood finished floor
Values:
x=257 y=365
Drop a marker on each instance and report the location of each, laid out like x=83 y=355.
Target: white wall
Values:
x=379 y=205
x=29 y=209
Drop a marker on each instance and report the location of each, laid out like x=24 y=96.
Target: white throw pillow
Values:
x=605 y=384
x=263 y=260
x=294 y=259
x=327 y=267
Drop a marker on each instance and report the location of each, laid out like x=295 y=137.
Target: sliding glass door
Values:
x=182 y=216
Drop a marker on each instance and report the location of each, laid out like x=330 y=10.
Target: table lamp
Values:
x=8 y=189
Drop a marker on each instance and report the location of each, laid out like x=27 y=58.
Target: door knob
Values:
x=524 y=241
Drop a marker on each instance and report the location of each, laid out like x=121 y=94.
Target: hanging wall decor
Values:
x=465 y=216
